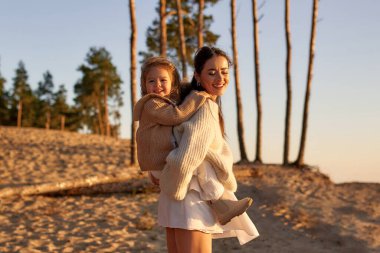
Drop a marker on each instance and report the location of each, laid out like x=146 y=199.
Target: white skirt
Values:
x=192 y=213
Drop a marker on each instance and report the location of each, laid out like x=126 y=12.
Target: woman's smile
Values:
x=218 y=85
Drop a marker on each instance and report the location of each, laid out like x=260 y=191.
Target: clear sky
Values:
x=344 y=123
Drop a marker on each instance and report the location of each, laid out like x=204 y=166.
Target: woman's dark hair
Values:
x=202 y=55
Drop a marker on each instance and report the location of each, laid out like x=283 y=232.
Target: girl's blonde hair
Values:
x=158 y=61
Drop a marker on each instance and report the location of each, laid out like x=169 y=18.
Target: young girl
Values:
x=157 y=114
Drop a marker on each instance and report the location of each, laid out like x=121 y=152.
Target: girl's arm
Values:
x=165 y=113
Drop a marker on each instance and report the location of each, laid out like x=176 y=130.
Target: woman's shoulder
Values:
x=211 y=106
x=206 y=113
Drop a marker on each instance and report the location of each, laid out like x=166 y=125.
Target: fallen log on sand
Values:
x=86 y=186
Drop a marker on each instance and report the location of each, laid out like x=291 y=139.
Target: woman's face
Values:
x=215 y=76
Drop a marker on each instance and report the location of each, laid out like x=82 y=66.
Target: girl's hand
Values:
x=204 y=94
x=154 y=180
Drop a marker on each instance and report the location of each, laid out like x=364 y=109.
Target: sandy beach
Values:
x=294 y=210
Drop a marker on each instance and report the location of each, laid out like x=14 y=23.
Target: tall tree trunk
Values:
x=181 y=33
x=163 y=35
x=106 y=121
x=258 y=158
x=288 y=84
x=62 y=122
x=47 y=124
x=19 y=113
x=96 y=129
x=100 y=120
x=133 y=78
x=200 y=23
x=300 y=159
x=239 y=106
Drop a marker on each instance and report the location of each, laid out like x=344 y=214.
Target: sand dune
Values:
x=294 y=210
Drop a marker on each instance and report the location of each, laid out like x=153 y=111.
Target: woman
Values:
x=189 y=221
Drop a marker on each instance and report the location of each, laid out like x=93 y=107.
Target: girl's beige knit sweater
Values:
x=157 y=115
x=198 y=139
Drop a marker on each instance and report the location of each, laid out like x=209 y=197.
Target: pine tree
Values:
x=22 y=99
x=63 y=116
x=239 y=105
x=97 y=90
x=201 y=6
x=258 y=158
x=4 y=98
x=133 y=63
x=181 y=32
x=288 y=115
x=45 y=96
x=163 y=36
x=301 y=153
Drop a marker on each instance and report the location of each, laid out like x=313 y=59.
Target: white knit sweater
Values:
x=198 y=139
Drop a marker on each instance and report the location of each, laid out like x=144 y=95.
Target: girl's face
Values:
x=215 y=76
x=158 y=81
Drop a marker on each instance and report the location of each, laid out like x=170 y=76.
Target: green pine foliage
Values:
x=4 y=100
x=60 y=108
x=53 y=105
x=21 y=91
x=99 y=77
x=44 y=100
x=190 y=21
x=35 y=104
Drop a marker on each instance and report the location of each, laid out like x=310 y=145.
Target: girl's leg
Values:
x=170 y=240
x=213 y=191
x=192 y=241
